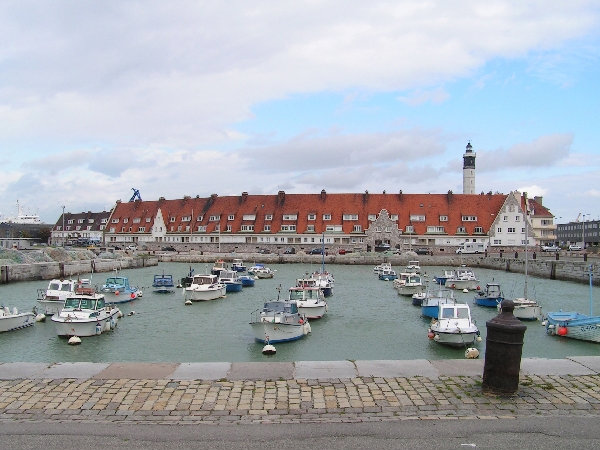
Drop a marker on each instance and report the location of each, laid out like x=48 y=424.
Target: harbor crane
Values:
x=136 y=194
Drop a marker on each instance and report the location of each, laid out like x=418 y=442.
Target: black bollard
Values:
x=557 y=257
x=503 y=349
x=534 y=255
x=585 y=256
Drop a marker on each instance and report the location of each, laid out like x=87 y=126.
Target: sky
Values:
x=180 y=98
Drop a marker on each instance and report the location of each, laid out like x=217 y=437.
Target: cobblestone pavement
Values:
x=296 y=400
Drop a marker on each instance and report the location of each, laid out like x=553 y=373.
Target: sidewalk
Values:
x=291 y=392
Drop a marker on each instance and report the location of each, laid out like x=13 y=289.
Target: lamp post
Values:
x=63 y=226
x=583 y=232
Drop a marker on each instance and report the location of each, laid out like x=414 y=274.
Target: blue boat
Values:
x=247 y=280
x=231 y=280
x=238 y=265
x=122 y=290
x=491 y=296
x=163 y=283
x=441 y=279
x=430 y=304
x=574 y=325
x=388 y=275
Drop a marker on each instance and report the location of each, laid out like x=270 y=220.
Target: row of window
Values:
x=294 y=217
x=72 y=221
x=77 y=228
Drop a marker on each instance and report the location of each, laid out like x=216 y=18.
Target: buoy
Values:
x=40 y=318
x=478 y=288
x=119 y=314
x=269 y=350
x=131 y=313
x=465 y=290
x=436 y=337
x=478 y=338
x=430 y=334
x=132 y=295
x=452 y=285
x=188 y=302
x=471 y=353
x=116 y=292
x=544 y=323
x=74 y=340
x=562 y=331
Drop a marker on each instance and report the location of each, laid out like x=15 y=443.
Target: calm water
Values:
x=367 y=319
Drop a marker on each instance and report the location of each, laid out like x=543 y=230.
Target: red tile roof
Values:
x=132 y=215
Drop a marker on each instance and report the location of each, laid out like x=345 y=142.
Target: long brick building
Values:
x=365 y=221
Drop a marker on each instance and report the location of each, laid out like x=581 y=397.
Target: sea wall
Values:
x=49 y=270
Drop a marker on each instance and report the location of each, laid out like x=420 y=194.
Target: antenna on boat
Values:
x=278 y=288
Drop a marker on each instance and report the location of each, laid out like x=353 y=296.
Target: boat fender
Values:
x=40 y=318
x=132 y=295
x=107 y=326
x=300 y=321
x=98 y=328
x=453 y=286
x=116 y=292
x=478 y=288
x=430 y=334
x=562 y=331
x=471 y=353
x=74 y=340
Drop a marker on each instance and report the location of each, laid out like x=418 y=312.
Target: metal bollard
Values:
x=503 y=349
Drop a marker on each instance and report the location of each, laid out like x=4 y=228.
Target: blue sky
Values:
x=194 y=98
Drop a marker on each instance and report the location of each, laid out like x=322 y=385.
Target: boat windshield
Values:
x=295 y=294
x=72 y=303
x=100 y=303
x=87 y=303
x=54 y=286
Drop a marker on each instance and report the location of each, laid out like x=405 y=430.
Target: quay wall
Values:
x=49 y=270
x=566 y=268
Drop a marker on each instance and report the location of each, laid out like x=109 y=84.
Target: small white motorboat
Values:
x=310 y=300
x=204 y=288
x=454 y=326
x=14 y=320
x=52 y=299
x=86 y=313
x=279 y=321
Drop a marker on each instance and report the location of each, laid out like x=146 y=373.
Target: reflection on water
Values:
x=367 y=319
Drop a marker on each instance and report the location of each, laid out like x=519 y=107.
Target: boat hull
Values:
x=489 y=302
x=203 y=295
x=463 y=284
x=118 y=297
x=85 y=327
x=278 y=332
x=526 y=309
x=233 y=287
x=454 y=339
x=574 y=326
x=312 y=312
x=16 y=321
x=50 y=307
x=247 y=281
x=409 y=291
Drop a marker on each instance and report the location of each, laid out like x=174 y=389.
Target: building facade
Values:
x=80 y=228
x=356 y=221
x=584 y=233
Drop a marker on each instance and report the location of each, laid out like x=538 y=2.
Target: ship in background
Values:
x=22 y=218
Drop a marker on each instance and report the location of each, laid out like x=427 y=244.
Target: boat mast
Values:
x=526 y=244
x=591 y=274
x=323 y=254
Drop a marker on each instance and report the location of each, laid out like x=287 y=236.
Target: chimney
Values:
x=323 y=194
x=244 y=196
x=538 y=199
x=281 y=197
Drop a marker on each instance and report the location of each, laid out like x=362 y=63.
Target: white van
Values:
x=471 y=247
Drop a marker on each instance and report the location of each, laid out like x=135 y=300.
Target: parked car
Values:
x=131 y=247
x=574 y=247
x=550 y=248
x=422 y=251
x=316 y=251
x=264 y=251
x=290 y=251
x=343 y=251
x=168 y=249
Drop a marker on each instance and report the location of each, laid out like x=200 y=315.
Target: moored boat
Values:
x=278 y=321
x=238 y=265
x=163 y=283
x=381 y=267
x=310 y=300
x=463 y=278
x=85 y=313
x=218 y=266
x=247 y=280
x=571 y=324
x=388 y=275
x=52 y=299
x=441 y=279
x=122 y=291
x=13 y=319
x=204 y=288
x=413 y=267
x=409 y=284
x=453 y=326
x=491 y=296
x=231 y=281
x=430 y=304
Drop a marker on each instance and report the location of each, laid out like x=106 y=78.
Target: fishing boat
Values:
x=278 y=321
x=163 y=284
x=52 y=299
x=247 y=280
x=261 y=271
x=381 y=267
x=204 y=288
x=463 y=278
x=85 y=313
x=417 y=299
x=310 y=300
x=231 y=281
x=323 y=279
x=122 y=291
x=453 y=326
x=218 y=266
x=525 y=307
x=238 y=265
x=187 y=280
x=413 y=267
x=491 y=296
x=14 y=320
x=441 y=279
x=408 y=284
x=430 y=304
x=388 y=275
x=574 y=325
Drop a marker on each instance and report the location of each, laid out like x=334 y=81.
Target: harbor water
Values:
x=366 y=320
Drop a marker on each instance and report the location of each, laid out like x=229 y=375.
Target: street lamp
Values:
x=583 y=231
x=63 y=226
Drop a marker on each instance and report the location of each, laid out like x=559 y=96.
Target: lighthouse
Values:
x=469 y=170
